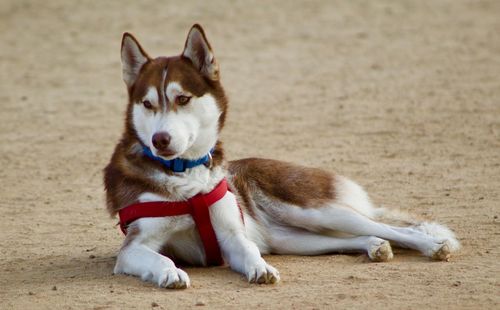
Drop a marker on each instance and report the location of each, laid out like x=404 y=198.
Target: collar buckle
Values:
x=209 y=164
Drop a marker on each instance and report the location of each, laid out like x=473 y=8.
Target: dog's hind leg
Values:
x=286 y=240
x=337 y=217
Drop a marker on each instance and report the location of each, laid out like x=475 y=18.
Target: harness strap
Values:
x=201 y=216
x=197 y=206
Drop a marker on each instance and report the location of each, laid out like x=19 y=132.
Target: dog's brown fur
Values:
x=283 y=181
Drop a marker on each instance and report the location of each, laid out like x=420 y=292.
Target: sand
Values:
x=401 y=96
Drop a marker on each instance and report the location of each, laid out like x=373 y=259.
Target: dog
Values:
x=170 y=157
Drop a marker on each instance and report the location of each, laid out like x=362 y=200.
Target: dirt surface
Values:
x=399 y=95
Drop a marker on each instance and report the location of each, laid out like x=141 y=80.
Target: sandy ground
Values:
x=401 y=96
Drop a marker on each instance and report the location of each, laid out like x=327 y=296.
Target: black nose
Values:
x=161 y=140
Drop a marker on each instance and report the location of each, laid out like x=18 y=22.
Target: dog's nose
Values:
x=161 y=140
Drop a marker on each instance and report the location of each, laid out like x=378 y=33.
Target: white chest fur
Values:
x=177 y=236
x=183 y=186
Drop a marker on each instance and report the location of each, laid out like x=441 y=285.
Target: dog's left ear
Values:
x=198 y=50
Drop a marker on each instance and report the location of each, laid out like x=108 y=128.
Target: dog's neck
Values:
x=179 y=164
x=136 y=154
x=147 y=175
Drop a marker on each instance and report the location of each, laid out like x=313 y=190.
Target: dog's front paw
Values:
x=173 y=278
x=263 y=273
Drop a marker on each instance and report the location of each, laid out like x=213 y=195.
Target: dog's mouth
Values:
x=171 y=152
x=167 y=154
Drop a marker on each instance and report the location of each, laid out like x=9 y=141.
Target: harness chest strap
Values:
x=197 y=206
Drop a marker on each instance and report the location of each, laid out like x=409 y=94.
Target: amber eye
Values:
x=182 y=100
x=147 y=104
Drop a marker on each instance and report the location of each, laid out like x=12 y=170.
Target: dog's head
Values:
x=177 y=105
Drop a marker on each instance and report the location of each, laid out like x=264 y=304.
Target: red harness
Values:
x=197 y=206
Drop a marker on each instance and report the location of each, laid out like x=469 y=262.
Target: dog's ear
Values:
x=198 y=50
x=133 y=58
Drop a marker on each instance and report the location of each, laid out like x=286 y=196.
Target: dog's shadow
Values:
x=50 y=271
x=59 y=269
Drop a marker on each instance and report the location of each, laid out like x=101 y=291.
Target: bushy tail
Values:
x=401 y=218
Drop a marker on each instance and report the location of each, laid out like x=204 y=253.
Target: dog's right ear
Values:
x=133 y=58
x=198 y=50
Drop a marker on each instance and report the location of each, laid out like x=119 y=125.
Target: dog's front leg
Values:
x=242 y=254
x=138 y=259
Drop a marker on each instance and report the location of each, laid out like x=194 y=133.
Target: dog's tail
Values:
x=401 y=218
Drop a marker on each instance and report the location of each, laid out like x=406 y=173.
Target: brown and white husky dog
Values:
x=177 y=108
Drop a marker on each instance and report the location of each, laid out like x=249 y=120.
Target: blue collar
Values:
x=179 y=164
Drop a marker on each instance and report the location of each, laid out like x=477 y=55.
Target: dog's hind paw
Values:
x=174 y=278
x=381 y=252
x=443 y=253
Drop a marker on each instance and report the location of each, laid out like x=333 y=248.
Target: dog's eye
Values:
x=182 y=100
x=147 y=104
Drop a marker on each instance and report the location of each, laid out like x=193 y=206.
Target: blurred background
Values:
x=402 y=96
